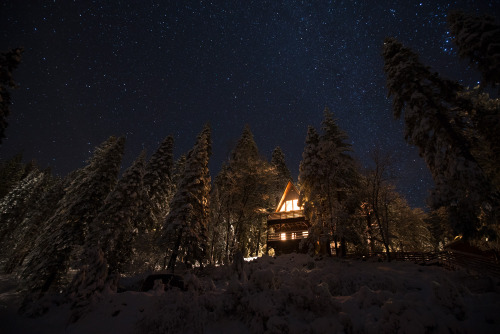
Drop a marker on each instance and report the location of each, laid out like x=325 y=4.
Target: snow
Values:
x=292 y=293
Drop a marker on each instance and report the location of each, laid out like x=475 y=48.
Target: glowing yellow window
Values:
x=291 y=205
x=283 y=236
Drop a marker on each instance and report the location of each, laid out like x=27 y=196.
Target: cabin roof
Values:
x=290 y=193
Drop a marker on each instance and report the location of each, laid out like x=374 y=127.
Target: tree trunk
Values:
x=343 y=248
x=258 y=241
x=175 y=252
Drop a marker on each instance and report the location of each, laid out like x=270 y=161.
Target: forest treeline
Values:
x=74 y=237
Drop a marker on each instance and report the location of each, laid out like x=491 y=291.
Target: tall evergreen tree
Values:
x=185 y=229
x=159 y=188
x=34 y=224
x=110 y=241
x=158 y=182
x=8 y=63
x=249 y=183
x=220 y=201
x=310 y=185
x=19 y=204
x=480 y=121
x=478 y=39
x=430 y=124
x=328 y=175
x=59 y=248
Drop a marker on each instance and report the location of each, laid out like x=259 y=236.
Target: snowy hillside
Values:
x=289 y=294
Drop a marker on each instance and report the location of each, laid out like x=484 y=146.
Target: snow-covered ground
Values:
x=288 y=294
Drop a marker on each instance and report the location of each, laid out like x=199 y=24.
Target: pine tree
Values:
x=185 y=229
x=159 y=189
x=34 y=224
x=478 y=39
x=59 y=246
x=17 y=205
x=8 y=62
x=250 y=180
x=110 y=242
x=310 y=185
x=431 y=125
x=220 y=201
x=481 y=125
x=178 y=171
x=158 y=182
x=327 y=176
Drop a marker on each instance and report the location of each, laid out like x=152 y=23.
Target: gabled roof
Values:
x=291 y=192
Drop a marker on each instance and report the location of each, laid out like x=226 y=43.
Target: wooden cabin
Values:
x=287 y=226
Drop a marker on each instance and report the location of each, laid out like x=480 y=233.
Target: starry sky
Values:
x=147 y=69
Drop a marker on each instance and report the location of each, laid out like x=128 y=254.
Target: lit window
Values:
x=305 y=234
x=291 y=205
x=283 y=236
x=294 y=235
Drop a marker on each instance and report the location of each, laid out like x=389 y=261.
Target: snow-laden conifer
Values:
x=429 y=105
x=112 y=233
x=59 y=245
x=185 y=229
x=159 y=189
x=34 y=223
x=478 y=39
x=327 y=176
x=17 y=205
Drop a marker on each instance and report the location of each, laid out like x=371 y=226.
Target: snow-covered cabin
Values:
x=287 y=226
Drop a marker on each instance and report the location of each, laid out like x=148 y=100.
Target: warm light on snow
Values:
x=292 y=293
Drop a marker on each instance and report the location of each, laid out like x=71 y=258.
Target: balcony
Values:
x=285 y=215
x=288 y=235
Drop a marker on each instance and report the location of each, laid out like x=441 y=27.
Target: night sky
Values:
x=147 y=69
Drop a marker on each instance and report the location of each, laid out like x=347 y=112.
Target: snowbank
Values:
x=298 y=294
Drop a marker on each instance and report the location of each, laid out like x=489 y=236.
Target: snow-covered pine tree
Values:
x=250 y=183
x=178 y=171
x=428 y=101
x=327 y=177
x=185 y=229
x=109 y=244
x=159 y=189
x=219 y=227
x=478 y=39
x=8 y=62
x=34 y=223
x=59 y=246
x=310 y=182
x=481 y=126
x=338 y=174
x=118 y=215
x=158 y=183
x=16 y=206
x=220 y=222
